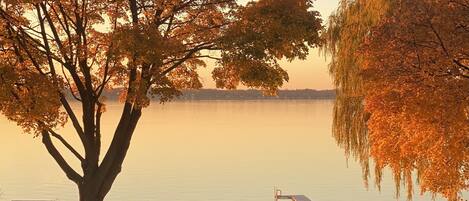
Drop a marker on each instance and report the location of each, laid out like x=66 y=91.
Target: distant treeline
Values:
x=215 y=94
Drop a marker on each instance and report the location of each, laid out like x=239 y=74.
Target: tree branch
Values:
x=182 y=60
x=66 y=144
x=69 y=171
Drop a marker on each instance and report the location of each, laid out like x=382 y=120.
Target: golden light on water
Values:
x=208 y=150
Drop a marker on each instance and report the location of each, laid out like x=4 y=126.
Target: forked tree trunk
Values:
x=96 y=184
x=97 y=177
x=99 y=184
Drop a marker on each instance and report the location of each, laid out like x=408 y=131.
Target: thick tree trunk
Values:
x=89 y=192
x=93 y=189
x=97 y=183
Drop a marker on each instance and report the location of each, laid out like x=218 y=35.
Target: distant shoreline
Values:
x=249 y=95
x=214 y=94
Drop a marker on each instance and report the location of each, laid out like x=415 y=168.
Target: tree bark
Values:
x=97 y=184
x=89 y=193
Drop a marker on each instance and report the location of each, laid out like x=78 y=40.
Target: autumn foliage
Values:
x=413 y=66
x=418 y=92
x=54 y=51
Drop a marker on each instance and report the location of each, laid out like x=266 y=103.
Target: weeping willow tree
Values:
x=346 y=31
x=401 y=69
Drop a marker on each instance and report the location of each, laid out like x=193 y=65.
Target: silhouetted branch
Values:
x=66 y=144
x=69 y=171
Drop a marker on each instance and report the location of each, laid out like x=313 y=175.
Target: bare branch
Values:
x=69 y=171
x=66 y=144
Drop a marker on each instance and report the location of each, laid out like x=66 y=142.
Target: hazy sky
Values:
x=311 y=73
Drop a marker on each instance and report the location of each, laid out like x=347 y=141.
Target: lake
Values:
x=205 y=151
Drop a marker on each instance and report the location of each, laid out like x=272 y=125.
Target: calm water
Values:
x=205 y=151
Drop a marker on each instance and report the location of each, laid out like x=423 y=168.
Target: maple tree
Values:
x=53 y=51
x=413 y=66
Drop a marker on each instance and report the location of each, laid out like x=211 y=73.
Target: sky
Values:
x=311 y=73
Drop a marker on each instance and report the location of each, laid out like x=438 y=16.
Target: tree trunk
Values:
x=89 y=192
x=96 y=184
x=93 y=190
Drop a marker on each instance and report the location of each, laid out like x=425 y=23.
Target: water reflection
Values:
x=204 y=151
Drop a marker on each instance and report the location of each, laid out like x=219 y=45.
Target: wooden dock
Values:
x=293 y=197
x=278 y=196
